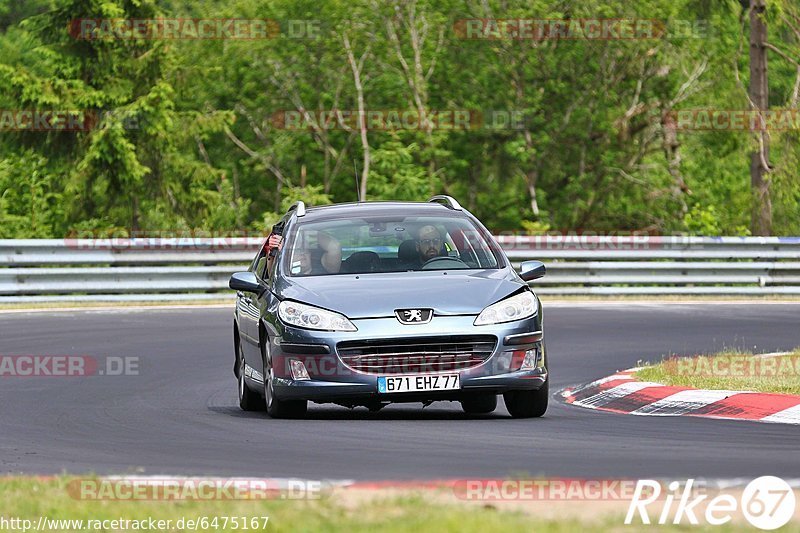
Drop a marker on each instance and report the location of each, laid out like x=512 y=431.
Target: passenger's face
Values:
x=304 y=257
x=429 y=243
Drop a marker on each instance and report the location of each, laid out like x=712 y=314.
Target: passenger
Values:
x=308 y=259
x=273 y=247
x=325 y=258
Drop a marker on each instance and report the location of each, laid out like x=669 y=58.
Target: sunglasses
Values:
x=430 y=242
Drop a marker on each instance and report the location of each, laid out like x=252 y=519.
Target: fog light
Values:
x=298 y=369
x=530 y=360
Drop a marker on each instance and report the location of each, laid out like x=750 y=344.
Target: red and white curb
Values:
x=623 y=393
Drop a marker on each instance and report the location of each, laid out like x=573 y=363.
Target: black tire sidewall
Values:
x=528 y=403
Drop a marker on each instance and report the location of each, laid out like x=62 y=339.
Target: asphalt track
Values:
x=180 y=416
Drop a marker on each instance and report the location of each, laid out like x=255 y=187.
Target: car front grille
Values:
x=417 y=355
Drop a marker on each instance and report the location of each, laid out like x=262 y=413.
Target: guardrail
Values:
x=179 y=269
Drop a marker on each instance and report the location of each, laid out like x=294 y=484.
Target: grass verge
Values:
x=26 y=498
x=729 y=371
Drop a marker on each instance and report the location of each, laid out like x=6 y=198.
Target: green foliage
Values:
x=29 y=207
x=310 y=195
x=396 y=174
x=702 y=221
x=536 y=227
x=185 y=133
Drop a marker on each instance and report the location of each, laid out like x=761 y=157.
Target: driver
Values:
x=429 y=243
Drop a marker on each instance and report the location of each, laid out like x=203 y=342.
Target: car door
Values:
x=247 y=309
x=253 y=306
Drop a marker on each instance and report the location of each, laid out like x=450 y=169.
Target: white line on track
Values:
x=684 y=402
x=620 y=391
x=787 y=416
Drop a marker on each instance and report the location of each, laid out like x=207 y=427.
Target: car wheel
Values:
x=279 y=408
x=527 y=403
x=248 y=400
x=479 y=405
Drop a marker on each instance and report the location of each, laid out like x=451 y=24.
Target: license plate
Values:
x=417 y=383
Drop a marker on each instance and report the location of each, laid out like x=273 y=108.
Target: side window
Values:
x=254 y=262
x=261 y=266
x=260 y=263
x=268 y=272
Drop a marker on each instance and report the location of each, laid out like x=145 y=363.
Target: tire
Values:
x=528 y=403
x=479 y=405
x=249 y=400
x=279 y=408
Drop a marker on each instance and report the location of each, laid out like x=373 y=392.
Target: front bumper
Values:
x=326 y=391
x=332 y=381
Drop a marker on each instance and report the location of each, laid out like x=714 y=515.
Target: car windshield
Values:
x=388 y=244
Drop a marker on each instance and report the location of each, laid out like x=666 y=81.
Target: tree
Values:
x=759 y=100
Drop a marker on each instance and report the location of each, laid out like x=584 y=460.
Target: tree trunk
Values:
x=531 y=178
x=761 y=222
x=672 y=153
x=362 y=120
x=278 y=187
x=532 y=175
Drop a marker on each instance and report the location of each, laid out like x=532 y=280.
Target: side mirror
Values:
x=531 y=270
x=244 y=281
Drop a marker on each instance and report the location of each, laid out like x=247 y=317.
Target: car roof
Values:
x=379 y=208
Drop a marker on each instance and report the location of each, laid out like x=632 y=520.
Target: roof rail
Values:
x=449 y=201
x=300 y=206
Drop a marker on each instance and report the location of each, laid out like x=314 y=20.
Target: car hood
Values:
x=378 y=295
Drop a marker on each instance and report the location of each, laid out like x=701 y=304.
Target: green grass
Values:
x=729 y=370
x=30 y=498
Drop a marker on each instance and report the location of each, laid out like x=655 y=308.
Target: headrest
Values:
x=365 y=261
x=407 y=251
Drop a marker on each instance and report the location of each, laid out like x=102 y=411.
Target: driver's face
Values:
x=429 y=243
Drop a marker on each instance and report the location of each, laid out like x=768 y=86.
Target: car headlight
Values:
x=517 y=307
x=310 y=317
